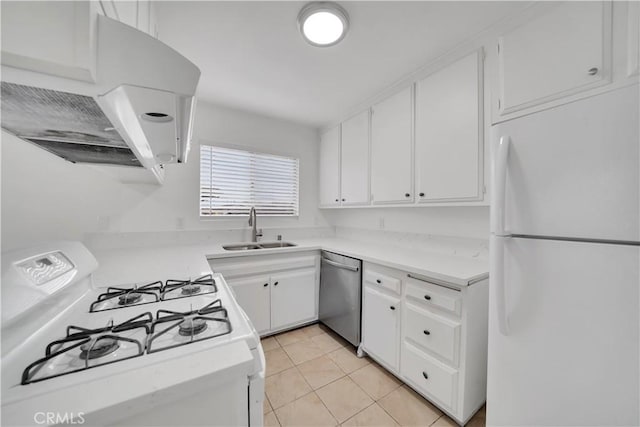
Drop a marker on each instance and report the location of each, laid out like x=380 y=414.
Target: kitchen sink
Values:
x=250 y=246
x=270 y=245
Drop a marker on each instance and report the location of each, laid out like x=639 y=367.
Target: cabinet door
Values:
x=52 y=37
x=293 y=298
x=330 y=168
x=253 y=295
x=448 y=137
x=391 y=149
x=380 y=326
x=355 y=160
x=563 y=51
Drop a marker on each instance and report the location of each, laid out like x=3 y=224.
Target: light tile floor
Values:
x=314 y=378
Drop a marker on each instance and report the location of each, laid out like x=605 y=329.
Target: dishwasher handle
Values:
x=337 y=264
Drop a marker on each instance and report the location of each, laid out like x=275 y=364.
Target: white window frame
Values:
x=253 y=198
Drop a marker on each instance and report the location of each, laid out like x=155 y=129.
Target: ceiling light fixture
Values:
x=323 y=24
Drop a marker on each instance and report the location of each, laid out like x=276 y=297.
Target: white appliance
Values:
x=138 y=112
x=166 y=352
x=565 y=256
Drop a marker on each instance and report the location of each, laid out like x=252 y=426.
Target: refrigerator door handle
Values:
x=498 y=283
x=499 y=175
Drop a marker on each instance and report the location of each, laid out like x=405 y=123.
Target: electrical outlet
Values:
x=381 y=223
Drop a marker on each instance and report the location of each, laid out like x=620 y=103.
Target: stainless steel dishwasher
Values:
x=340 y=295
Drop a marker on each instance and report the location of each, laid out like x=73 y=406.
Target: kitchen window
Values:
x=232 y=181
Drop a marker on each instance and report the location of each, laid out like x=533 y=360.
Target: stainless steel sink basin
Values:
x=270 y=245
x=261 y=245
x=240 y=247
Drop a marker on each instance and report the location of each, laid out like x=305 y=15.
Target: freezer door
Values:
x=572 y=349
x=573 y=170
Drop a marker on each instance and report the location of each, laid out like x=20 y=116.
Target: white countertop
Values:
x=180 y=261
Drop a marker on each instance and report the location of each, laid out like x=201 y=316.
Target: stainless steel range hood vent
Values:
x=68 y=125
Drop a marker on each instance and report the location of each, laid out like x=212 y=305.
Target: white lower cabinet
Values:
x=380 y=325
x=254 y=296
x=293 y=297
x=434 y=338
x=277 y=292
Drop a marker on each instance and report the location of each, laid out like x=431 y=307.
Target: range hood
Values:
x=137 y=113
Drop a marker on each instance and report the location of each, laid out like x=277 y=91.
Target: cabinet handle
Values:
x=407 y=195
x=427 y=297
x=275 y=284
x=337 y=200
x=421 y=194
x=593 y=71
x=378 y=281
x=392 y=307
x=426 y=332
x=344 y=200
x=424 y=374
x=265 y=285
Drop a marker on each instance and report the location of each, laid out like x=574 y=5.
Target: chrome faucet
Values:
x=252 y=222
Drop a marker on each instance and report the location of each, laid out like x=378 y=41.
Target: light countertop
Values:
x=135 y=264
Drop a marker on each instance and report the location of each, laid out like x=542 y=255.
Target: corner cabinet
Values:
x=432 y=335
x=277 y=292
x=392 y=149
x=563 y=51
x=330 y=167
x=449 y=132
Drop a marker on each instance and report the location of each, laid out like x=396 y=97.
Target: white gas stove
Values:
x=173 y=351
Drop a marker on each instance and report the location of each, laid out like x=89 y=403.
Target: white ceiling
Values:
x=253 y=58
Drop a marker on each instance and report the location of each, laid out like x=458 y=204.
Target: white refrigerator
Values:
x=564 y=282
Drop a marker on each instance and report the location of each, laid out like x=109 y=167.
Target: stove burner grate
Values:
x=190 y=324
x=190 y=289
x=126 y=296
x=93 y=344
x=129 y=298
x=98 y=347
x=174 y=289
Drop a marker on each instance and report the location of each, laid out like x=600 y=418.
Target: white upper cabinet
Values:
x=355 y=160
x=139 y=14
x=330 y=167
x=449 y=132
x=565 y=50
x=51 y=37
x=392 y=149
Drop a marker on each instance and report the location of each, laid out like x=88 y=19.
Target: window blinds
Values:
x=232 y=181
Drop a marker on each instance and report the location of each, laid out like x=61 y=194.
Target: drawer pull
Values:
x=378 y=281
x=427 y=297
x=392 y=307
x=275 y=284
x=426 y=332
x=265 y=285
x=424 y=374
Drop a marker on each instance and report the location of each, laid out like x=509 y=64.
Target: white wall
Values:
x=45 y=197
x=440 y=221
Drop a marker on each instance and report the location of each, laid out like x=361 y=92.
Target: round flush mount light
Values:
x=323 y=24
x=157 y=117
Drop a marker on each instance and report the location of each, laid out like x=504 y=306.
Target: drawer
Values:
x=434 y=296
x=435 y=333
x=429 y=376
x=383 y=277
